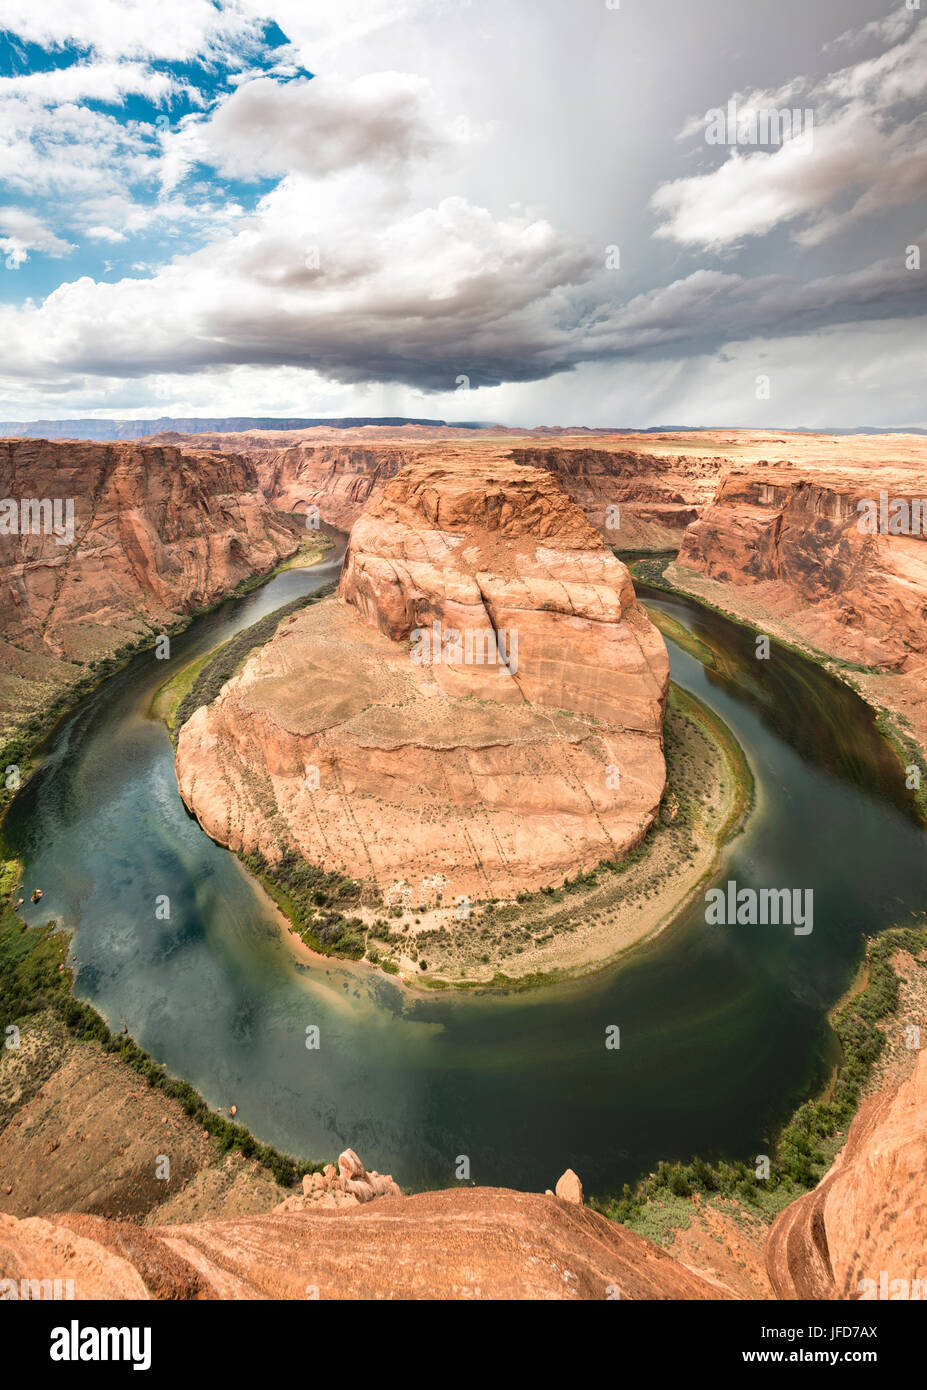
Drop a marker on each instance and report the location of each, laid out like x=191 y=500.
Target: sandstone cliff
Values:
x=337 y=480
x=862 y=1232
x=530 y=750
x=145 y=534
x=471 y=1243
x=794 y=539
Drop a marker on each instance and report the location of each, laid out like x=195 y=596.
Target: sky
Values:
x=516 y=211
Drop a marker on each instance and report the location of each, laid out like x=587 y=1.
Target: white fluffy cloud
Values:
x=865 y=154
x=173 y=30
x=332 y=278
x=21 y=232
x=313 y=127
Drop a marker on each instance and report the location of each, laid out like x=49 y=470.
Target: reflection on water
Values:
x=722 y=1028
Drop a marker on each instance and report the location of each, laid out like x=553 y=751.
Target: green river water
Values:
x=723 y=1029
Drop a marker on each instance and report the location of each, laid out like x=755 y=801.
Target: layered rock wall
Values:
x=802 y=547
x=365 y=737
x=156 y=532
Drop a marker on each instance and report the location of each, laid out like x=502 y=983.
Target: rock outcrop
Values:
x=348 y=1185
x=862 y=1232
x=145 y=534
x=471 y=1243
x=799 y=542
x=479 y=711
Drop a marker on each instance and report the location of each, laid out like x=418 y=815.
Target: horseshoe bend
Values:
x=463 y=673
x=476 y=713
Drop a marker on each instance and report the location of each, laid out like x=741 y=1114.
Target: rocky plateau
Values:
x=362 y=737
x=866 y=1216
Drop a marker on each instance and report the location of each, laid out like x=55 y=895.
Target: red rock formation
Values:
x=471 y=1243
x=157 y=532
x=793 y=538
x=639 y=501
x=482 y=776
x=348 y=1186
x=338 y=480
x=862 y=1232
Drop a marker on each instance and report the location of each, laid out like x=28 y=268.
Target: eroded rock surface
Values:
x=156 y=534
x=472 y=1243
x=862 y=1232
x=794 y=539
x=528 y=750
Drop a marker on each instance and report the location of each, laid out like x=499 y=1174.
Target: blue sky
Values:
x=481 y=209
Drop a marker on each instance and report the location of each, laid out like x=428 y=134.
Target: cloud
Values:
x=314 y=127
x=333 y=283
x=334 y=277
x=178 y=31
x=109 y=82
x=866 y=154
x=22 y=231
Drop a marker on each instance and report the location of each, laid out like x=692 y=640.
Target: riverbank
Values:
x=583 y=925
x=84 y=1111
x=897 y=703
x=21 y=739
x=692 y=1209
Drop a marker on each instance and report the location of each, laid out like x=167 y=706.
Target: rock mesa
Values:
x=478 y=712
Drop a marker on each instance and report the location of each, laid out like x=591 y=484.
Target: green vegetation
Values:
x=677 y=632
x=200 y=682
x=315 y=901
x=807 y=1145
x=34 y=978
x=19 y=748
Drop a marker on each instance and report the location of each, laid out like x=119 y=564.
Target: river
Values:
x=723 y=1029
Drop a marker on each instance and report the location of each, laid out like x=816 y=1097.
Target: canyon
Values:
x=443 y=777
x=866 y=1216
x=157 y=534
x=487 y=536
x=764 y=522
x=641 y=499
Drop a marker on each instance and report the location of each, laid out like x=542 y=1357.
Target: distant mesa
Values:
x=102 y=430
x=480 y=709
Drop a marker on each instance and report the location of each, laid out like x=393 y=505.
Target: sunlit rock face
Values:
x=136 y=535
x=472 y=1243
x=862 y=1232
x=840 y=553
x=480 y=708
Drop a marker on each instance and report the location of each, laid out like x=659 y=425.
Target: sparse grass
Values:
x=807 y=1145
x=200 y=682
